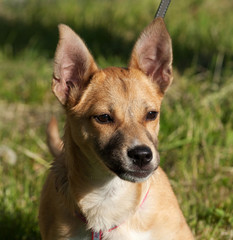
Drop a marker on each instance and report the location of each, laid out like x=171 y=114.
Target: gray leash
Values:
x=163 y=6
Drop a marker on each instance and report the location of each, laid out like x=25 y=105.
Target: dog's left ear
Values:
x=73 y=66
x=152 y=54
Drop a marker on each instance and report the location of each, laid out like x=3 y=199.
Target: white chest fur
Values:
x=125 y=233
x=119 y=234
x=107 y=207
x=129 y=235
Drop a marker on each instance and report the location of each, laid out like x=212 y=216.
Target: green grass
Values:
x=196 y=136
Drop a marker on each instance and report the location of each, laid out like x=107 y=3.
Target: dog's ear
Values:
x=73 y=64
x=152 y=54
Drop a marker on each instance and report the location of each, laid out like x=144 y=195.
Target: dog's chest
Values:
x=129 y=235
x=116 y=235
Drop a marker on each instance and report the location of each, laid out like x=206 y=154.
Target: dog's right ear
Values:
x=73 y=65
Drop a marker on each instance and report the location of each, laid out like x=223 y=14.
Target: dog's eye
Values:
x=104 y=118
x=152 y=115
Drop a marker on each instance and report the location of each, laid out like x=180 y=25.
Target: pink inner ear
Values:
x=60 y=89
x=67 y=69
x=70 y=73
x=149 y=60
x=152 y=53
x=73 y=63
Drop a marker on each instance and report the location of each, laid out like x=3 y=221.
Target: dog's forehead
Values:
x=120 y=89
x=125 y=83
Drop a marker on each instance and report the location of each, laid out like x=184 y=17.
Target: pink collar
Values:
x=98 y=235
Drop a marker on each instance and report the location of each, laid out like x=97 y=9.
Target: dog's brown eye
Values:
x=152 y=115
x=104 y=118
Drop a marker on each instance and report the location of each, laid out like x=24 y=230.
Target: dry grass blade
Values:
x=34 y=156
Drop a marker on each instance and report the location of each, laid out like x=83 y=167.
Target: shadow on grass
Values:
x=19 y=36
x=18 y=226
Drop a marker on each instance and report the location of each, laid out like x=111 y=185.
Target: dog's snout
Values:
x=140 y=155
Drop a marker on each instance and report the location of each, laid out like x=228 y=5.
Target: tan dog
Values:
x=106 y=183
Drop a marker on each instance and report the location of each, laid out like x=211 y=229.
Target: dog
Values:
x=105 y=182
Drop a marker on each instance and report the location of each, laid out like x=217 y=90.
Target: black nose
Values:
x=141 y=155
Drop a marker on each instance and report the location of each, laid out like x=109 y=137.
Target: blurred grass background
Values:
x=196 y=136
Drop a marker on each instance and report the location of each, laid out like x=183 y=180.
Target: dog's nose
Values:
x=141 y=155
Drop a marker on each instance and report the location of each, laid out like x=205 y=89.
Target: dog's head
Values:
x=114 y=113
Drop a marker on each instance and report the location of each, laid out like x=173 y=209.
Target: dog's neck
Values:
x=99 y=194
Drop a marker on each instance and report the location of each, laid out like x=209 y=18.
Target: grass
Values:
x=196 y=135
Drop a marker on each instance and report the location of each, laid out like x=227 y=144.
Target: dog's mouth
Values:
x=139 y=174
x=133 y=175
